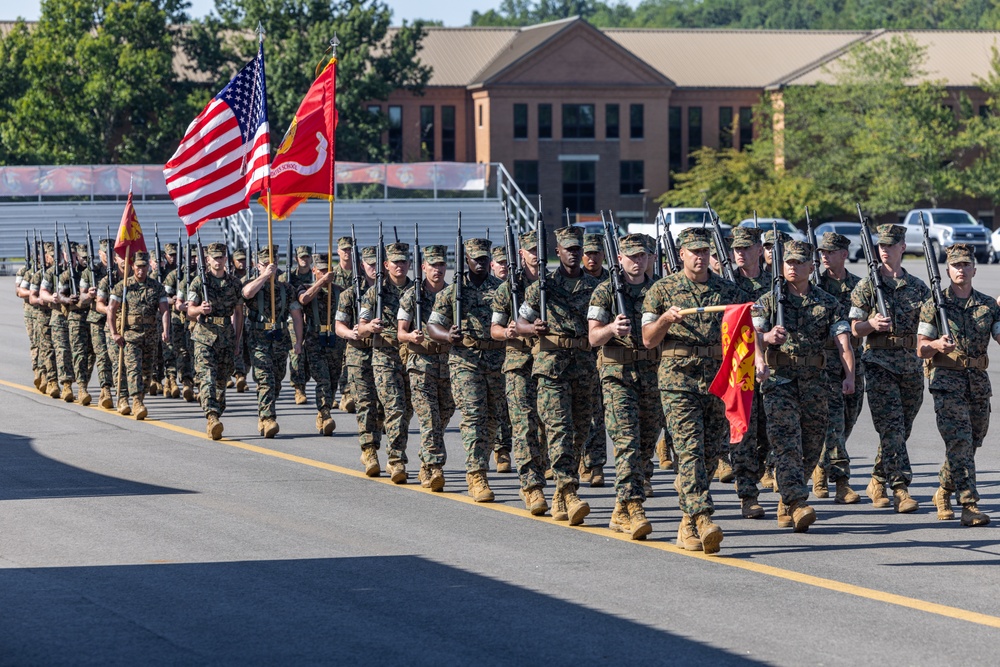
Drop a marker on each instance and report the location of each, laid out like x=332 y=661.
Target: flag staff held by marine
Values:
x=128 y=241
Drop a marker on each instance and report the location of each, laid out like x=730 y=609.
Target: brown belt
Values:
x=677 y=349
x=619 y=354
x=881 y=341
x=959 y=361
x=363 y=344
x=777 y=358
x=380 y=341
x=518 y=344
x=549 y=343
x=134 y=320
x=428 y=347
x=481 y=343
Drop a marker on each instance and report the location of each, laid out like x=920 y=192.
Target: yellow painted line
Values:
x=946 y=611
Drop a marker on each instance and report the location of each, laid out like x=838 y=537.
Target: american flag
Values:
x=225 y=155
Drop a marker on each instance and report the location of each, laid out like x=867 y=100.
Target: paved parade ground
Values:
x=125 y=542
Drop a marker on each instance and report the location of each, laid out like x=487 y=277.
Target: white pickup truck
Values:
x=945 y=227
x=678 y=219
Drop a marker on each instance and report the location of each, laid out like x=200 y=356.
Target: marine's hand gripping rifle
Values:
x=616 y=272
x=811 y=237
x=778 y=277
x=514 y=268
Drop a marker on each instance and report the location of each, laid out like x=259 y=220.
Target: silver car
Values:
x=946 y=226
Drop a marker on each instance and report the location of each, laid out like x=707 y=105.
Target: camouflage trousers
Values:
x=796 y=426
x=434 y=404
x=634 y=420
x=82 y=348
x=159 y=364
x=102 y=356
x=139 y=359
x=324 y=364
x=213 y=366
x=477 y=393
x=180 y=341
x=242 y=358
x=894 y=401
x=170 y=353
x=367 y=409
x=46 y=352
x=963 y=418
x=748 y=456
x=61 y=346
x=268 y=359
x=29 y=327
x=299 y=370
x=699 y=428
x=595 y=451
x=502 y=441
x=393 y=388
x=566 y=409
x=522 y=405
x=844 y=412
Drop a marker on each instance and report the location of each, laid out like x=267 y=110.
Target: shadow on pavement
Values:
x=26 y=474
x=368 y=610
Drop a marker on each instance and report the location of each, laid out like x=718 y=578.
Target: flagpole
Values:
x=334 y=43
x=121 y=322
x=270 y=234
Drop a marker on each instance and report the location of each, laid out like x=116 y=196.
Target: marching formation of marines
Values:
x=544 y=366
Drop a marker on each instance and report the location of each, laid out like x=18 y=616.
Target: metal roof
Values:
x=457 y=55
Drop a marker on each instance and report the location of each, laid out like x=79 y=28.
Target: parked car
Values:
x=595 y=228
x=994 y=255
x=852 y=230
x=946 y=226
x=782 y=225
x=678 y=219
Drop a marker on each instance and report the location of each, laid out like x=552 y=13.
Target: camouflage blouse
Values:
x=407 y=312
x=603 y=309
x=224 y=295
x=566 y=302
x=142 y=307
x=903 y=297
x=755 y=287
x=354 y=356
x=973 y=322
x=477 y=318
x=502 y=307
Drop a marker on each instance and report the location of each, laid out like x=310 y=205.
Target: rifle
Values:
x=28 y=260
x=71 y=263
x=615 y=270
x=568 y=223
x=721 y=249
x=514 y=268
x=379 y=272
x=542 y=260
x=201 y=273
x=159 y=255
x=253 y=255
x=778 y=277
x=673 y=259
x=93 y=261
x=418 y=278
x=658 y=267
x=944 y=329
x=57 y=258
x=183 y=254
x=358 y=284
x=291 y=253
x=874 y=265
x=459 y=274
x=111 y=260
x=811 y=237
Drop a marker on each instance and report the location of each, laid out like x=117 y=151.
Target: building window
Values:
x=375 y=109
x=480 y=115
x=448 y=133
x=526 y=176
x=746 y=127
x=674 y=138
x=520 y=121
x=636 y=121
x=395 y=133
x=426 y=133
x=631 y=177
x=694 y=129
x=578 y=121
x=611 y=122
x=578 y=185
x=725 y=127
x=544 y=121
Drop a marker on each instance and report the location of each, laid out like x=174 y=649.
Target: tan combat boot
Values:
x=942 y=501
x=241 y=383
x=803 y=516
x=903 y=501
x=596 y=478
x=687 y=536
x=105 y=399
x=784 y=518
x=647 y=488
x=213 y=427
x=725 y=472
x=300 y=394
x=424 y=476
x=845 y=494
x=663 y=454
x=620 y=520
x=324 y=422
x=431 y=477
x=188 y=392
x=369 y=458
x=750 y=508
x=641 y=527
x=84 y=396
x=52 y=389
x=67 y=393
x=549 y=474
x=971 y=516
x=709 y=532
x=347 y=403
x=534 y=501
x=876 y=491
x=269 y=427
x=138 y=409
x=576 y=508
x=37 y=378
x=583 y=472
x=503 y=461
x=397 y=472
x=767 y=481
x=479 y=488
x=230 y=383
x=155 y=388
x=41 y=382
x=820 y=488
x=123 y=408
x=559 y=512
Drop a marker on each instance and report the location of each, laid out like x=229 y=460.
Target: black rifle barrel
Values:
x=934 y=276
x=874 y=265
x=418 y=280
x=459 y=274
x=778 y=277
x=542 y=261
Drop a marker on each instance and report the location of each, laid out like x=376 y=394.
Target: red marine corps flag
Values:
x=304 y=167
x=735 y=380
x=129 y=238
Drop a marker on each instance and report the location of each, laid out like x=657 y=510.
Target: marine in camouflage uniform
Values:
x=959 y=382
x=628 y=384
x=216 y=333
x=691 y=353
x=180 y=326
x=167 y=363
x=358 y=359
x=566 y=368
x=22 y=288
x=834 y=461
x=474 y=360
x=298 y=364
x=142 y=301
x=318 y=299
x=43 y=316
x=391 y=380
x=343 y=275
x=57 y=294
x=99 y=338
x=499 y=266
x=530 y=457
x=595 y=451
x=893 y=373
x=76 y=319
x=796 y=392
x=427 y=367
